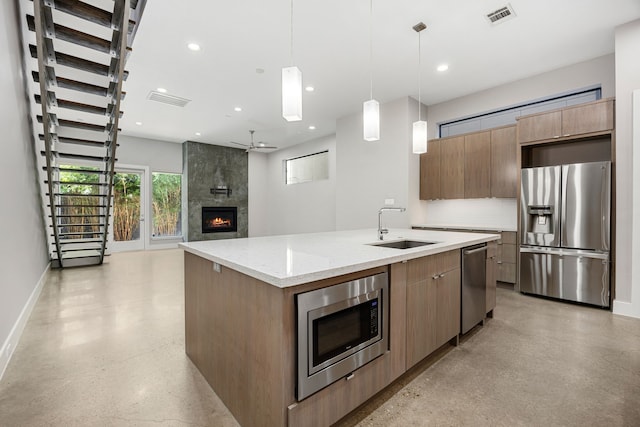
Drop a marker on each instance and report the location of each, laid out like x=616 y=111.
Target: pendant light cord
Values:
x=291 y=34
x=419 y=70
x=370 y=49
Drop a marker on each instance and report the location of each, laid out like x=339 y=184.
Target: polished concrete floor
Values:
x=105 y=347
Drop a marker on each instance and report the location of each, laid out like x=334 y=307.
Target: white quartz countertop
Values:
x=467 y=227
x=295 y=259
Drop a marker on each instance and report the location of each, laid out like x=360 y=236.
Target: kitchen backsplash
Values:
x=499 y=213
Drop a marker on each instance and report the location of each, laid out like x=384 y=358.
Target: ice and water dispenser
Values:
x=540 y=219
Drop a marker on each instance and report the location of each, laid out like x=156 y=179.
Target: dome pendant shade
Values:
x=371 y=120
x=419 y=137
x=292 y=94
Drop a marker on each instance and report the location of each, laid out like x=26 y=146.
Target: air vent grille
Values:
x=503 y=14
x=168 y=99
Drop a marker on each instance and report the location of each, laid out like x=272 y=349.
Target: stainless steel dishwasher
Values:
x=474 y=287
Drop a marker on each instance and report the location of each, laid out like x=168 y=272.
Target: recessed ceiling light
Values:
x=237 y=109
x=442 y=67
x=194 y=47
x=161 y=90
x=312 y=127
x=139 y=123
x=198 y=134
x=309 y=88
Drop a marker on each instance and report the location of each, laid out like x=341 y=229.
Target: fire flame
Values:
x=219 y=222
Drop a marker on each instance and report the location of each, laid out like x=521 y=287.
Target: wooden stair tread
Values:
x=87 y=253
x=76 y=156
x=95 y=184
x=74 y=36
x=79 y=86
x=73 y=105
x=80 y=63
x=91 y=13
x=79 y=241
x=64 y=205
x=86 y=142
x=75 y=170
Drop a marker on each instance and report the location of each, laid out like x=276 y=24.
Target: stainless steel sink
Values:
x=403 y=244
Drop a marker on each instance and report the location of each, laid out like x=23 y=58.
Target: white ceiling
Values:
x=331 y=47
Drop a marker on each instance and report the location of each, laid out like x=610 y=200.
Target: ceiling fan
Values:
x=255 y=146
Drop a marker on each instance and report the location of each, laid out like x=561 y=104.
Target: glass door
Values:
x=128 y=230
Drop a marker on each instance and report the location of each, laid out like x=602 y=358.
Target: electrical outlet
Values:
x=216 y=267
x=389 y=202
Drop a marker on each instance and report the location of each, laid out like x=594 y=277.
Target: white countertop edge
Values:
x=467 y=227
x=387 y=256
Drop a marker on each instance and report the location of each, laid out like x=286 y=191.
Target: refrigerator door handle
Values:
x=563 y=204
x=603 y=200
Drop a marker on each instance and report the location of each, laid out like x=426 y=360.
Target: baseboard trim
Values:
x=9 y=345
x=624 y=308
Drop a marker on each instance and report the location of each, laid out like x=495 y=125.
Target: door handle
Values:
x=473 y=251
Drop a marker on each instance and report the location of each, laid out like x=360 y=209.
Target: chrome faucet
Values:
x=383 y=231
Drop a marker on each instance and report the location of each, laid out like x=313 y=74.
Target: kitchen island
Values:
x=240 y=314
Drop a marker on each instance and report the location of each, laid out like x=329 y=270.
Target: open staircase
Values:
x=80 y=50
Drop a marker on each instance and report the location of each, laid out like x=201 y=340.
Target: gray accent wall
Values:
x=207 y=166
x=23 y=248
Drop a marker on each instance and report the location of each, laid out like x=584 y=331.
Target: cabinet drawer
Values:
x=507 y=272
x=421 y=269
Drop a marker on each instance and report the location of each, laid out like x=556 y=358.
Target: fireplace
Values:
x=219 y=219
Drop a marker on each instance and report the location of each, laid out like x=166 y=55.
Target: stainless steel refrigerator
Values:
x=565 y=232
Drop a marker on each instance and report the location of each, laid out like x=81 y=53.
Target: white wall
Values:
x=367 y=173
x=258 y=194
x=160 y=156
x=299 y=208
x=627 y=172
x=23 y=249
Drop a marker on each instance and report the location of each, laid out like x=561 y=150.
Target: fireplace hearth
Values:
x=219 y=219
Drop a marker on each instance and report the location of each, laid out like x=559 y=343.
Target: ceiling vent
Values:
x=501 y=15
x=168 y=99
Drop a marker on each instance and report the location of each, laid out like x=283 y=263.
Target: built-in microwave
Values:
x=340 y=328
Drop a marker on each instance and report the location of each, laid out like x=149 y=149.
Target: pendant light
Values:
x=419 y=127
x=292 y=87
x=371 y=108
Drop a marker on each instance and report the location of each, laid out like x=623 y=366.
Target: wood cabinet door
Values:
x=421 y=318
x=540 y=126
x=430 y=172
x=504 y=163
x=593 y=117
x=492 y=275
x=477 y=165
x=447 y=306
x=452 y=168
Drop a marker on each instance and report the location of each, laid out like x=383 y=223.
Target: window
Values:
x=167 y=204
x=508 y=115
x=312 y=167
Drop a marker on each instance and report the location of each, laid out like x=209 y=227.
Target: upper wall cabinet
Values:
x=430 y=172
x=475 y=165
x=570 y=122
x=504 y=163
x=452 y=168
